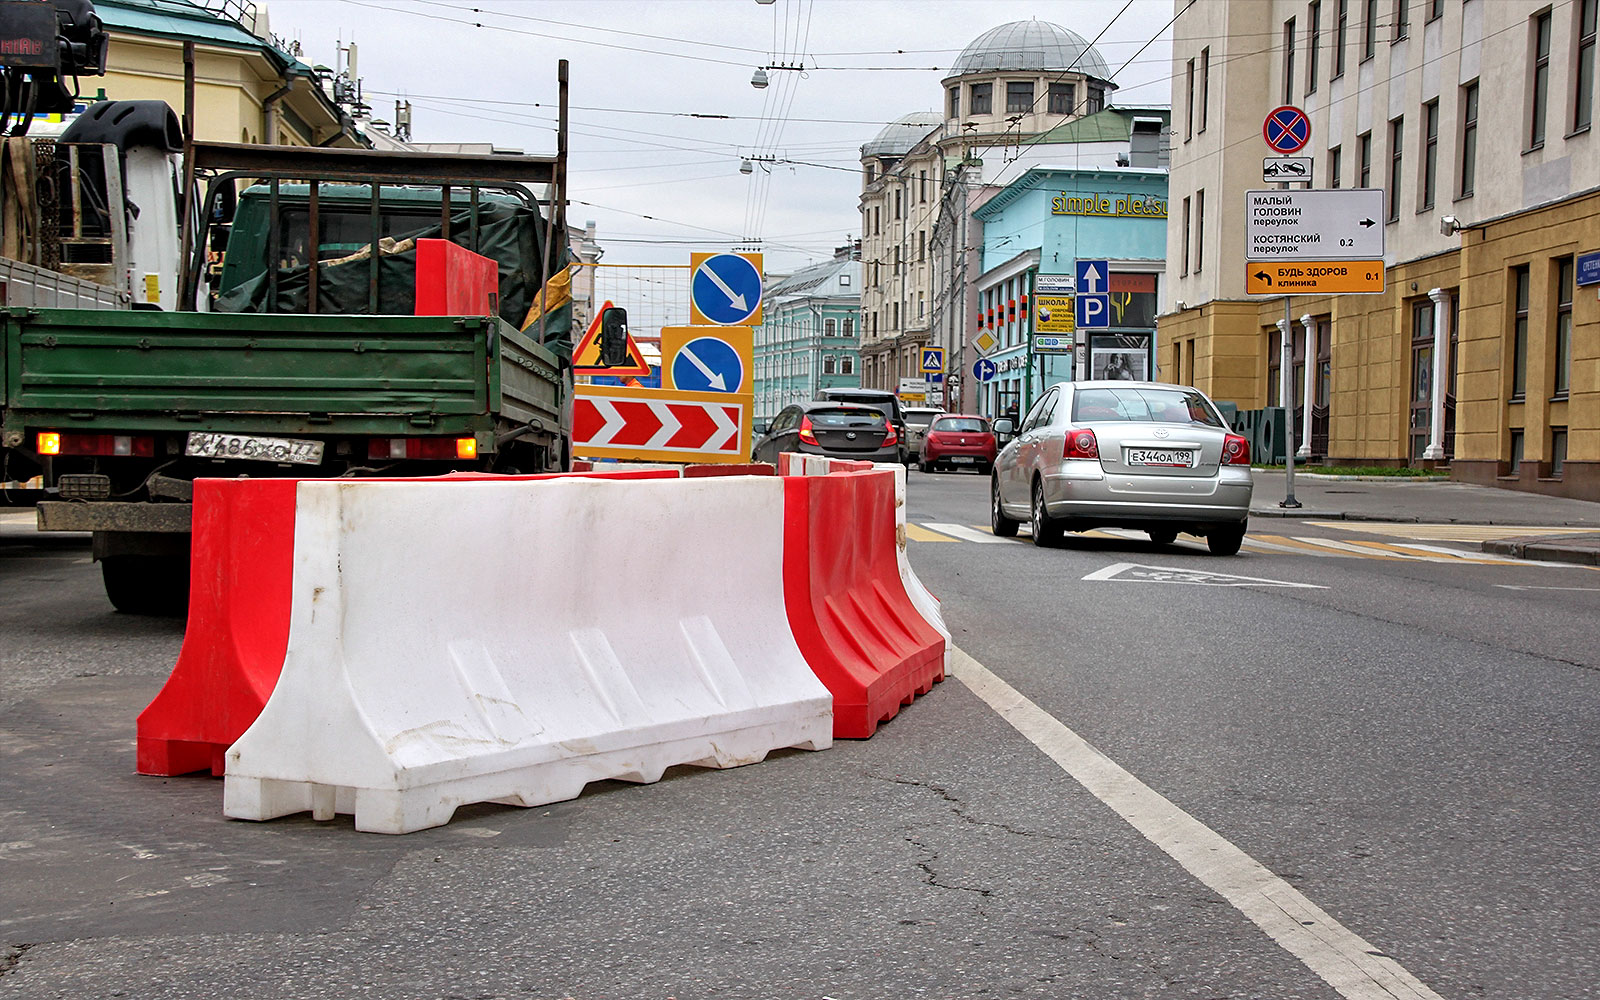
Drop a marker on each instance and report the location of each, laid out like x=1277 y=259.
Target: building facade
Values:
x=1475 y=120
x=924 y=174
x=1033 y=232
x=807 y=340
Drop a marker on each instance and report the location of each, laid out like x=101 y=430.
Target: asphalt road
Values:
x=1404 y=744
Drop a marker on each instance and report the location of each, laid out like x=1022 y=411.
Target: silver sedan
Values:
x=1142 y=455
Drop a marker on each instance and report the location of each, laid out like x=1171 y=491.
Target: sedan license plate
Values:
x=1170 y=458
x=253 y=448
x=963 y=459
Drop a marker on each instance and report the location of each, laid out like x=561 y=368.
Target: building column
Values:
x=1441 y=374
x=1310 y=325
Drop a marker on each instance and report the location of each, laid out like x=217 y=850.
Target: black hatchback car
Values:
x=838 y=430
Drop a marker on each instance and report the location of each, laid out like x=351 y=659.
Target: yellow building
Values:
x=1475 y=121
x=247 y=87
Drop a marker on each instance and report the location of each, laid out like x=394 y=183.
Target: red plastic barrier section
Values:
x=241 y=566
x=454 y=281
x=753 y=469
x=847 y=606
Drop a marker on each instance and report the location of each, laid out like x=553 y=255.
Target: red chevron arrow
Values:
x=639 y=423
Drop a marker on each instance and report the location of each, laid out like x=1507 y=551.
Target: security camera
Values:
x=1449 y=225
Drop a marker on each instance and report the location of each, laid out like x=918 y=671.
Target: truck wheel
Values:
x=147 y=585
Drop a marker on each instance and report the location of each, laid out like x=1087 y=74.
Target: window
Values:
x=1469 y=138
x=922 y=186
x=1435 y=9
x=1563 y=366
x=1199 y=230
x=1519 y=334
x=981 y=97
x=1364 y=157
x=1061 y=96
x=1369 y=30
x=1430 y=152
x=844 y=280
x=1402 y=19
x=1558 y=451
x=1341 y=32
x=1288 y=61
x=955 y=102
x=849 y=326
x=1019 y=96
x=1313 y=43
x=827 y=364
x=1205 y=85
x=1185 y=263
x=1188 y=115
x=1335 y=165
x=897 y=195
x=1516 y=450
x=1539 y=91
x=1583 y=99
x=896 y=312
x=922 y=245
x=828 y=327
x=876 y=219
x=1397 y=134
x=847 y=365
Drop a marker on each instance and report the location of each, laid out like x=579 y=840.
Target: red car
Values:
x=958 y=441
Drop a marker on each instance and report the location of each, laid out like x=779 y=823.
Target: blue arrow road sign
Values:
x=983 y=370
x=708 y=364
x=726 y=289
x=1092 y=305
x=932 y=359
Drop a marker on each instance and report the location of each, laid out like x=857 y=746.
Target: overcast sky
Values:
x=642 y=70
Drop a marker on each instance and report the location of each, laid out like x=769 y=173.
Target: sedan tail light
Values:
x=1081 y=444
x=808 y=433
x=1235 y=450
x=889 y=436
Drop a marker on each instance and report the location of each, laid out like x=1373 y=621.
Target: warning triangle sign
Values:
x=586 y=356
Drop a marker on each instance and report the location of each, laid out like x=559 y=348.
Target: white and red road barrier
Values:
x=792 y=464
x=847 y=604
x=452 y=643
x=660 y=425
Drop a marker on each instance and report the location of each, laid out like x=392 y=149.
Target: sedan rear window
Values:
x=1151 y=406
x=959 y=425
x=854 y=419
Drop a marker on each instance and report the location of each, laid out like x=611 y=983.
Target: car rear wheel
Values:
x=1225 y=539
x=1163 y=536
x=1046 y=529
x=1002 y=525
x=924 y=466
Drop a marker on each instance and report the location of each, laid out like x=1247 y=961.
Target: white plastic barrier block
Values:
x=512 y=642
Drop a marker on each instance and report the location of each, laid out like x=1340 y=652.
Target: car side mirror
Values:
x=613 y=337
x=1004 y=427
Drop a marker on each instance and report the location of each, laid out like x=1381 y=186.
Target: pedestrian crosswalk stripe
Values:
x=967 y=534
x=1449 y=532
x=917 y=533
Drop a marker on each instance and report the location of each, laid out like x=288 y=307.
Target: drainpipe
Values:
x=269 y=112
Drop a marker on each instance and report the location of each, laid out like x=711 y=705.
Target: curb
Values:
x=1544 y=551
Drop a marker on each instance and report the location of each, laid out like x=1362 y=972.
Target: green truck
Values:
x=292 y=349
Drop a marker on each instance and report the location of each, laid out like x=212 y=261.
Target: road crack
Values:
x=961 y=813
x=12 y=958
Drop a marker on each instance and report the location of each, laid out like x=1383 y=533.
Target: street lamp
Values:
x=759 y=81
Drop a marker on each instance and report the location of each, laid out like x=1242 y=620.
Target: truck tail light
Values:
x=1081 y=444
x=808 y=433
x=121 y=445
x=429 y=448
x=1235 y=450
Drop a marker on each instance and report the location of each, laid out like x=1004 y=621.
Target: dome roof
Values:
x=897 y=138
x=1030 y=45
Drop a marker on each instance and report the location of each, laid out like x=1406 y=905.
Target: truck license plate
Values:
x=253 y=448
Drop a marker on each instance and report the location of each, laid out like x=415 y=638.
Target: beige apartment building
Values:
x=1476 y=120
x=923 y=174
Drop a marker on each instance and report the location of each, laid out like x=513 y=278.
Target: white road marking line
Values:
x=1449 y=532
x=1251 y=540
x=967 y=534
x=1342 y=958
x=1334 y=543
x=1512 y=586
x=1138 y=573
x=1459 y=554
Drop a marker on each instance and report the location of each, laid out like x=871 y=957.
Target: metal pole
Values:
x=1286 y=380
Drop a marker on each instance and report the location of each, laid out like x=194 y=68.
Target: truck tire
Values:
x=147 y=585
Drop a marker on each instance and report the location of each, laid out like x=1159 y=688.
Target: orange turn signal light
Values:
x=49 y=443
x=467 y=447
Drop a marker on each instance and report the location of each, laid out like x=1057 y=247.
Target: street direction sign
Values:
x=932 y=360
x=707 y=359
x=983 y=370
x=1321 y=224
x=1092 y=303
x=1287 y=129
x=1319 y=277
x=1589 y=269
x=660 y=424
x=1278 y=169
x=1052 y=284
x=725 y=289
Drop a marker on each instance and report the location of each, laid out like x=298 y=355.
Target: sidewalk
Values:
x=1327 y=498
